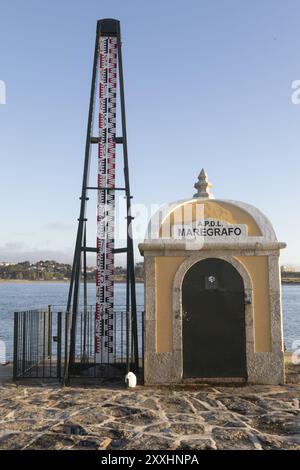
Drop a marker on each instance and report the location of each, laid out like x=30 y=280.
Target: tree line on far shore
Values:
x=50 y=270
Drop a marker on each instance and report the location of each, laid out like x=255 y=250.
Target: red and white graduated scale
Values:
x=104 y=347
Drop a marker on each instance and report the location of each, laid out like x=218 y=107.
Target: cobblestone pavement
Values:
x=202 y=417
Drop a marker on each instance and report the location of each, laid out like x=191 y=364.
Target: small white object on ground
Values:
x=130 y=379
x=3 y=360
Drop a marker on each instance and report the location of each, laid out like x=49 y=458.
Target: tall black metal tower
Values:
x=107 y=71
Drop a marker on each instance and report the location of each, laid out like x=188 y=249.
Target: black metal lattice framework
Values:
x=107 y=30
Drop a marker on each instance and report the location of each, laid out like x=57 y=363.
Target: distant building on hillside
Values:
x=288 y=269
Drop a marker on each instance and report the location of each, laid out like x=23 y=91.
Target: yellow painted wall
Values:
x=257 y=267
x=166 y=268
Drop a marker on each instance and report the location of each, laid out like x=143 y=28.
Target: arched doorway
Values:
x=213 y=321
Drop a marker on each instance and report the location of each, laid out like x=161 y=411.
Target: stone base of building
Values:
x=263 y=368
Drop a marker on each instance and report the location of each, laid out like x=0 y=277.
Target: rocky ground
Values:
x=111 y=417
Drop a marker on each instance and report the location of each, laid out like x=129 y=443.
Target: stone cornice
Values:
x=163 y=245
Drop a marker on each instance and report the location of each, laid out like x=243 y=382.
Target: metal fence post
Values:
x=127 y=342
x=24 y=344
x=59 y=324
x=143 y=342
x=49 y=331
x=66 y=356
x=16 y=331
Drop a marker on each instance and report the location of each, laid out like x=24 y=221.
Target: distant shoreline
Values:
x=290 y=282
x=62 y=281
x=284 y=282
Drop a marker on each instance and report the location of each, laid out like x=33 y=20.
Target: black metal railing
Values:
x=41 y=344
x=37 y=344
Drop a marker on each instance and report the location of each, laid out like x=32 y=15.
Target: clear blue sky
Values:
x=208 y=84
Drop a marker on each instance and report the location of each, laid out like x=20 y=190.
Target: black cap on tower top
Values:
x=109 y=27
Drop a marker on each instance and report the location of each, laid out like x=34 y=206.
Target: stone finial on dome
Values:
x=203 y=186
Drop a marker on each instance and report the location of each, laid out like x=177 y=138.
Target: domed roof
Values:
x=207 y=220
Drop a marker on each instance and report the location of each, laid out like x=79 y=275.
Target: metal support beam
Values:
x=88 y=249
x=72 y=305
x=120 y=250
x=130 y=254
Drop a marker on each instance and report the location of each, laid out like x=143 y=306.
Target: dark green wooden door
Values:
x=213 y=321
